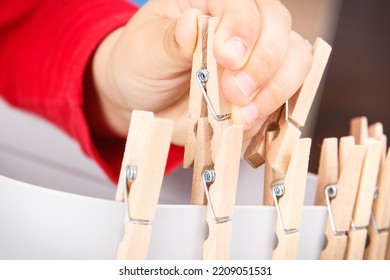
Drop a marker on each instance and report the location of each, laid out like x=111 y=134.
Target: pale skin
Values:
x=146 y=64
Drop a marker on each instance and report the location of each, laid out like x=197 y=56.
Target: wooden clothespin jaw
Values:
x=338 y=180
x=213 y=145
x=295 y=114
x=140 y=181
x=368 y=181
x=197 y=105
x=378 y=229
x=220 y=185
x=286 y=192
x=205 y=122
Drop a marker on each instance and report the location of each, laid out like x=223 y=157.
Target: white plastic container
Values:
x=39 y=223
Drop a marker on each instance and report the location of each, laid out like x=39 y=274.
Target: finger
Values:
x=281 y=87
x=240 y=87
x=186 y=31
x=236 y=33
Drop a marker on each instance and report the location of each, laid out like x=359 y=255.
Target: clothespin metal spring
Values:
x=202 y=77
x=372 y=216
x=287 y=117
x=208 y=177
x=330 y=193
x=278 y=191
x=129 y=176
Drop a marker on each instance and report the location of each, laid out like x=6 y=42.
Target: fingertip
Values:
x=239 y=88
x=235 y=37
x=246 y=116
x=186 y=31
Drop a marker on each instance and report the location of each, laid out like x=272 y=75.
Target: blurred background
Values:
x=356 y=83
x=358 y=75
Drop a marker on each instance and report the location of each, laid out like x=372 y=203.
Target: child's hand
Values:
x=147 y=64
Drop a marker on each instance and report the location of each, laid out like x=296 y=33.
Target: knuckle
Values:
x=271 y=57
x=305 y=52
x=283 y=12
x=278 y=91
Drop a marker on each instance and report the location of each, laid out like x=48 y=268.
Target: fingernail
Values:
x=251 y=113
x=245 y=83
x=237 y=47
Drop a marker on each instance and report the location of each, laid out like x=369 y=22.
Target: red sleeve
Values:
x=45 y=47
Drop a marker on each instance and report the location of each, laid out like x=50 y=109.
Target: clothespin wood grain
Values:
x=367 y=185
x=286 y=192
x=140 y=181
x=197 y=106
x=222 y=194
x=378 y=229
x=298 y=108
x=202 y=160
x=225 y=150
x=296 y=112
x=255 y=152
x=206 y=123
x=338 y=180
x=221 y=119
x=215 y=152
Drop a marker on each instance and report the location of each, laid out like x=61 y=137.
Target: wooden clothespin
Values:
x=296 y=111
x=197 y=107
x=338 y=181
x=378 y=230
x=140 y=181
x=204 y=121
x=287 y=191
x=213 y=145
x=220 y=186
x=357 y=234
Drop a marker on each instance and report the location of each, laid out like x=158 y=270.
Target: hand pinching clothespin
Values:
x=213 y=145
x=287 y=191
x=338 y=180
x=295 y=114
x=357 y=234
x=378 y=230
x=140 y=180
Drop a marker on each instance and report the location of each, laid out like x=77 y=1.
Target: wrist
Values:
x=113 y=114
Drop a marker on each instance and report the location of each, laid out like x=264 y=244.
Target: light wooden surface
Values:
x=300 y=103
x=280 y=150
x=367 y=184
x=223 y=193
x=197 y=106
x=299 y=106
x=378 y=230
x=343 y=204
x=287 y=247
x=359 y=129
x=135 y=243
x=218 y=100
x=255 y=152
x=202 y=161
x=217 y=244
x=212 y=144
x=291 y=202
x=341 y=168
x=147 y=148
x=356 y=244
x=388 y=250
x=336 y=245
x=376 y=249
x=328 y=168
